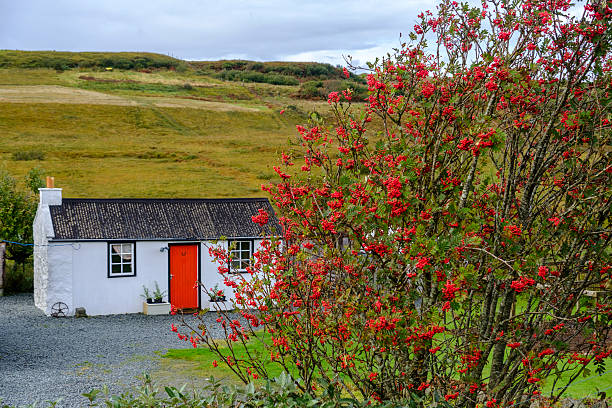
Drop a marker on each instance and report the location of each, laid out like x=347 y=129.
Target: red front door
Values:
x=184 y=276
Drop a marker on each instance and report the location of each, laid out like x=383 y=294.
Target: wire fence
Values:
x=73 y=245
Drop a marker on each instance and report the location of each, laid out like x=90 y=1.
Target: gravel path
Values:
x=43 y=358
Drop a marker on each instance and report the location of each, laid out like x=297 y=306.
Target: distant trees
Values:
x=17 y=211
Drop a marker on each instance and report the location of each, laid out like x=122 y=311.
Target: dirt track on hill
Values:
x=67 y=95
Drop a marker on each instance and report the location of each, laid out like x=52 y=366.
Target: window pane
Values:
x=235 y=264
x=116 y=248
x=116 y=269
x=127 y=268
x=245 y=264
x=115 y=259
x=126 y=257
x=245 y=255
x=127 y=248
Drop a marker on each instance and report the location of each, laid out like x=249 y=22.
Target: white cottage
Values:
x=98 y=253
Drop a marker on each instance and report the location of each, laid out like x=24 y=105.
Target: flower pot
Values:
x=156 y=308
x=149 y=300
x=158 y=300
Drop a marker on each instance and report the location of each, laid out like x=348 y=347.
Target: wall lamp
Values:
x=164 y=248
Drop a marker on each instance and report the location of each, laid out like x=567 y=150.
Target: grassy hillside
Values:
x=143 y=132
x=65 y=60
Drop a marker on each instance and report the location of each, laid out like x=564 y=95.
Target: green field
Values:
x=130 y=133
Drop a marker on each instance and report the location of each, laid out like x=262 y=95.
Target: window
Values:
x=240 y=255
x=121 y=259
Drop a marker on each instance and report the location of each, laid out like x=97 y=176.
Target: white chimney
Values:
x=50 y=195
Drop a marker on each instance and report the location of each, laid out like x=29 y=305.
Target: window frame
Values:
x=251 y=242
x=109 y=260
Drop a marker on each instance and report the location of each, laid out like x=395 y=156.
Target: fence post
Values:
x=2 y=252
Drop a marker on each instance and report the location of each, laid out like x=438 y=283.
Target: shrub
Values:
x=19 y=279
x=254 y=76
x=311 y=90
x=233 y=65
x=277 y=393
x=320 y=89
x=17 y=211
x=442 y=252
x=27 y=155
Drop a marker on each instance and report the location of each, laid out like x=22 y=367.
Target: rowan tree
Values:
x=439 y=243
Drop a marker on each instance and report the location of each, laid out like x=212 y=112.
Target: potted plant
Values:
x=216 y=295
x=146 y=294
x=155 y=304
x=158 y=294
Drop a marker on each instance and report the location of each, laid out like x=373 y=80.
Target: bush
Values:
x=29 y=155
x=17 y=211
x=277 y=393
x=439 y=244
x=19 y=278
x=254 y=76
x=321 y=89
x=233 y=65
x=311 y=90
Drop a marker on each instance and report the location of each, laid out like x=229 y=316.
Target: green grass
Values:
x=200 y=362
x=145 y=151
x=582 y=387
x=159 y=133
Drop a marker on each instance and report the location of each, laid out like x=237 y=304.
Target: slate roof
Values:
x=159 y=219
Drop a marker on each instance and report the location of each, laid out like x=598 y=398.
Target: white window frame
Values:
x=236 y=246
x=122 y=262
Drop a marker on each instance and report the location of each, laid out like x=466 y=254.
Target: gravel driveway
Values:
x=43 y=358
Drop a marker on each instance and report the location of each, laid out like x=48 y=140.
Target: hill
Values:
x=148 y=125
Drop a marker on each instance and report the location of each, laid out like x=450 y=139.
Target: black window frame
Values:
x=251 y=252
x=109 y=263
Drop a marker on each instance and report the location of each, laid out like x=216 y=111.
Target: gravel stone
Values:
x=44 y=358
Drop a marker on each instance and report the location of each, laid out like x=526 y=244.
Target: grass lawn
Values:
x=201 y=359
x=199 y=363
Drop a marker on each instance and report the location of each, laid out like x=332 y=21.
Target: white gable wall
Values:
x=59 y=283
x=43 y=229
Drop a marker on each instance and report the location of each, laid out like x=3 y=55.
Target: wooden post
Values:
x=50 y=181
x=2 y=252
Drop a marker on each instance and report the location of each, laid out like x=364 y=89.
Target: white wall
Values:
x=101 y=295
x=78 y=276
x=59 y=284
x=42 y=229
x=211 y=276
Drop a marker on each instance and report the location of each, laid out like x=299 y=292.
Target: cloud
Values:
x=261 y=30
x=356 y=57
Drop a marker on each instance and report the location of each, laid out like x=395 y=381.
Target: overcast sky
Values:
x=275 y=30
